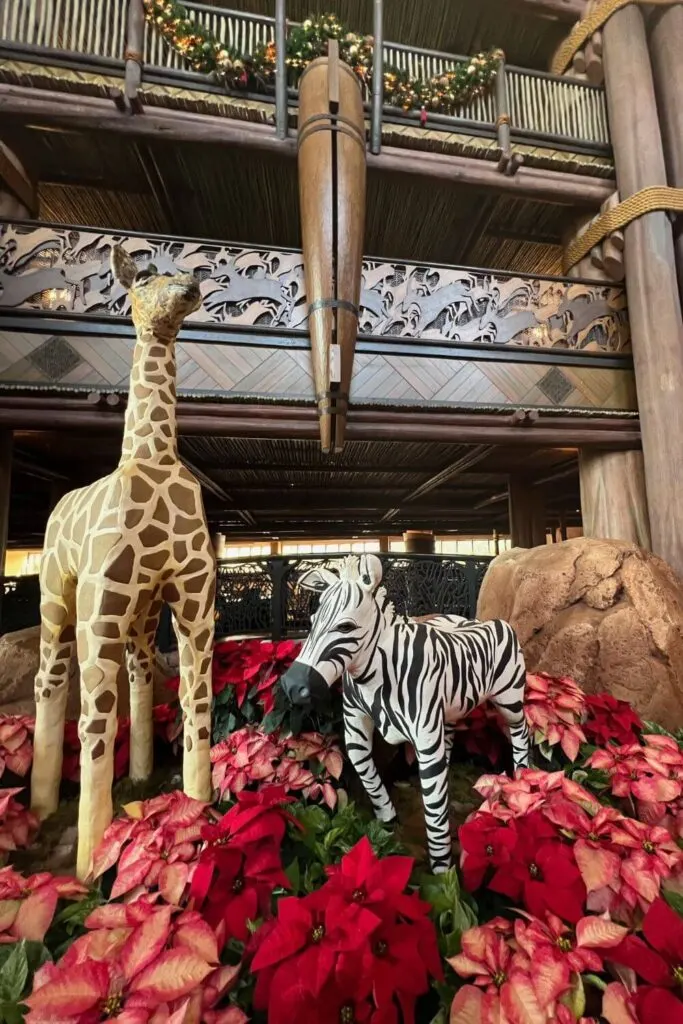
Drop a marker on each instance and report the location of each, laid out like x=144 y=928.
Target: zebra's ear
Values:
x=317 y=579
x=370 y=572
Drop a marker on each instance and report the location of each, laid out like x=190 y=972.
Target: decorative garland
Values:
x=442 y=94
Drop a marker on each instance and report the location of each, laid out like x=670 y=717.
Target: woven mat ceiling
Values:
x=104 y=180
x=454 y=26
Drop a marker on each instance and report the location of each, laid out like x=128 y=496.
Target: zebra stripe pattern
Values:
x=411 y=681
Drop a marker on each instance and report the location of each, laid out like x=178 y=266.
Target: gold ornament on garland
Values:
x=442 y=94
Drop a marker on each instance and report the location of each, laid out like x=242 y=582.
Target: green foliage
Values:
x=18 y=963
x=452 y=911
x=292 y=721
x=325 y=838
x=69 y=923
x=674 y=899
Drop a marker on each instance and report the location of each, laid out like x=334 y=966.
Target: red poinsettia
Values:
x=360 y=945
x=542 y=872
x=485 y=843
x=250 y=667
x=168 y=723
x=240 y=866
x=610 y=720
x=482 y=734
x=658 y=960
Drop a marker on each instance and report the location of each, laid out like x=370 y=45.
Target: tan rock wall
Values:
x=606 y=613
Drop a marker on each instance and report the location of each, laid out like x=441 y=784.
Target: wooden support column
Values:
x=6 y=439
x=419 y=542
x=666 y=47
x=613 y=502
x=654 y=302
x=18 y=198
x=527 y=514
x=384 y=545
x=218 y=541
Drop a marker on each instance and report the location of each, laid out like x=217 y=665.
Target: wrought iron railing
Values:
x=541 y=106
x=260 y=596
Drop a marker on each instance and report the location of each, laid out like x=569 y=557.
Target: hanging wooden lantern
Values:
x=332 y=200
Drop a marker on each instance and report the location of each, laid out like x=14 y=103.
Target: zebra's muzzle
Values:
x=304 y=686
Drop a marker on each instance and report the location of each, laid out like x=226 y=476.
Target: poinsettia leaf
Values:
x=14 y=974
x=173 y=975
x=35 y=914
x=73 y=915
x=293 y=873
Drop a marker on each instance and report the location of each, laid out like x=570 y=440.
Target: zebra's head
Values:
x=344 y=624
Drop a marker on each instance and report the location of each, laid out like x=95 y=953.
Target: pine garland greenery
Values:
x=204 y=53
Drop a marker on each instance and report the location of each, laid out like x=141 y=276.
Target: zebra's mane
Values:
x=386 y=606
x=349 y=570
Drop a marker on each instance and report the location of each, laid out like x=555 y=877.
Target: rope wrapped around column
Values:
x=647 y=200
x=585 y=29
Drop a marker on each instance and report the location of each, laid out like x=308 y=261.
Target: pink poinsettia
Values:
x=154 y=844
x=137 y=962
x=27 y=905
x=16 y=748
x=250 y=757
x=18 y=825
x=554 y=709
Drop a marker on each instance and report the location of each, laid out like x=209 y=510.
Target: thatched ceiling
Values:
x=104 y=180
x=291 y=489
x=454 y=26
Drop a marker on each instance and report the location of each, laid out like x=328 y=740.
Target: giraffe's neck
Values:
x=150 y=431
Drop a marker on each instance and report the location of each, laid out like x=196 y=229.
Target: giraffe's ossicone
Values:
x=114 y=552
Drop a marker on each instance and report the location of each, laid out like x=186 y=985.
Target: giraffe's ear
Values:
x=123 y=266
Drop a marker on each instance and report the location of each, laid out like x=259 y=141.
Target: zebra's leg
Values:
x=433 y=765
x=358 y=730
x=450 y=730
x=510 y=704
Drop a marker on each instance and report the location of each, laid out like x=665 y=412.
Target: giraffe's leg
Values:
x=433 y=766
x=358 y=731
x=57 y=643
x=192 y=602
x=140 y=665
x=101 y=647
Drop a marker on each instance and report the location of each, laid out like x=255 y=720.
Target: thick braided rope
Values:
x=584 y=29
x=648 y=200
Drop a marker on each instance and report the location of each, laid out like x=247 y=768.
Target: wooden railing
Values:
x=541 y=106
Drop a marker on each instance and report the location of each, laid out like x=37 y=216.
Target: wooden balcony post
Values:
x=6 y=443
x=281 y=110
x=377 y=77
x=527 y=514
x=654 y=302
x=134 y=55
x=666 y=46
x=18 y=197
x=613 y=502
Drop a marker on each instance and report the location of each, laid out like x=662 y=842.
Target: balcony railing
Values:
x=51 y=269
x=542 y=107
x=260 y=595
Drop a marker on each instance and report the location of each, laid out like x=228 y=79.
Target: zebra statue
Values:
x=412 y=681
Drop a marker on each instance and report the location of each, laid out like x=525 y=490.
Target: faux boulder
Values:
x=603 y=612
x=19 y=660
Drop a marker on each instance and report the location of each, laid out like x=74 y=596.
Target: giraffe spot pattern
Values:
x=105 y=702
x=121 y=569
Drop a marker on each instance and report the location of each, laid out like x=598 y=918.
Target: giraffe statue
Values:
x=114 y=552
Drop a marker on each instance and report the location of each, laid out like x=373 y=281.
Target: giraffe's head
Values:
x=160 y=302
x=343 y=630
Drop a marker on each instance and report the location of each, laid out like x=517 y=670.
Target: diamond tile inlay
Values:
x=555 y=385
x=55 y=358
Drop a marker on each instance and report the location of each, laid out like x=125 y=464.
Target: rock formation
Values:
x=603 y=612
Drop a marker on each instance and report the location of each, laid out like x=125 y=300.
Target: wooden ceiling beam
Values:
x=213 y=488
x=470 y=458
x=94 y=113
